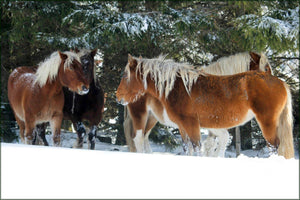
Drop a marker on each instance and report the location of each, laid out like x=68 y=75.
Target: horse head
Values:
x=87 y=61
x=71 y=74
x=259 y=63
x=131 y=87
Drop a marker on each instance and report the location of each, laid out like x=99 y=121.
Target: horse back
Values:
x=20 y=84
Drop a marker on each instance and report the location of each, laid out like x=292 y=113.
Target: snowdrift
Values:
x=49 y=172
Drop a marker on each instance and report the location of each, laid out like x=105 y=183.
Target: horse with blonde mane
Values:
x=144 y=113
x=36 y=95
x=78 y=108
x=193 y=99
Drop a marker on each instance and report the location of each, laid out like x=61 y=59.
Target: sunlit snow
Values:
x=112 y=172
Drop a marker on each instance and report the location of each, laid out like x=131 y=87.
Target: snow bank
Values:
x=49 y=172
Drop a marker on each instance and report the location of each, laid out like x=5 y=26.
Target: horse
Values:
x=193 y=99
x=137 y=115
x=88 y=107
x=36 y=94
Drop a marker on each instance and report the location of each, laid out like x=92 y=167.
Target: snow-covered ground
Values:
x=112 y=172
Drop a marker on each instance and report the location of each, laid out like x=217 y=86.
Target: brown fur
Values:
x=33 y=104
x=216 y=101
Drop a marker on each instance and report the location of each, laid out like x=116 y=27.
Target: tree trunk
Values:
x=237 y=141
x=120 y=140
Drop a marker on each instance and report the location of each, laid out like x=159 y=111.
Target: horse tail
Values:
x=285 y=128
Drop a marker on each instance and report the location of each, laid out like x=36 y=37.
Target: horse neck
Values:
x=152 y=90
x=53 y=88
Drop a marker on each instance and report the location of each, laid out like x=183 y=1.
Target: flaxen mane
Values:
x=164 y=73
x=234 y=64
x=263 y=62
x=48 y=69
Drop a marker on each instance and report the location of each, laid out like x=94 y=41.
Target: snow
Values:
x=111 y=171
x=288 y=28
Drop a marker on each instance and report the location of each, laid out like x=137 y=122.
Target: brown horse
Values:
x=144 y=113
x=83 y=107
x=192 y=99
x=36 y=95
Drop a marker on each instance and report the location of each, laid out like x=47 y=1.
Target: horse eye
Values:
x=71 y=68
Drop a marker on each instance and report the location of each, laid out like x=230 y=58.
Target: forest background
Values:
x=198 y=32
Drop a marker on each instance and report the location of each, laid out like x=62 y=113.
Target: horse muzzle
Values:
x=84 y=90
x=122 y=101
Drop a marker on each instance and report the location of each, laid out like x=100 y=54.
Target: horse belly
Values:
x=167 y=121
x=162 y=117
x=226 y=119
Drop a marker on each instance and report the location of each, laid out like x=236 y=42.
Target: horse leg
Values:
x=220 y=148
x=139 y=141
x=186 y=143
x=35 y=140
x=210 y=145
x=80 y=130
x=151 y=121
x=191 y=127
x=92 y=137
x=41 y=133
x=268 y=127
x=21 y=127
x=55 y=125
x=29 y=127
x=128 y=130
x=139 y=125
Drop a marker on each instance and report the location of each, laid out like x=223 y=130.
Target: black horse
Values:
x=88 y=107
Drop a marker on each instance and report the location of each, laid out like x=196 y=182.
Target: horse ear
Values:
x=93 y=52
x=62 y=55
x=132 y=62
x=130 y=58
x=76 y=50
x=255 y=57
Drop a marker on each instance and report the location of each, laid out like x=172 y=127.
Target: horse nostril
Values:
x=84 y=88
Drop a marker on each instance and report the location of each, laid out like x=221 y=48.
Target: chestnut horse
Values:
x=192 y=99
x=138 y=117
x=83 y=107
x=36 y=95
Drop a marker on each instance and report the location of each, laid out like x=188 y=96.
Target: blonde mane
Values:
x=234 y=64
x=165 y=71
x=48 y=69
x=263 y=62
